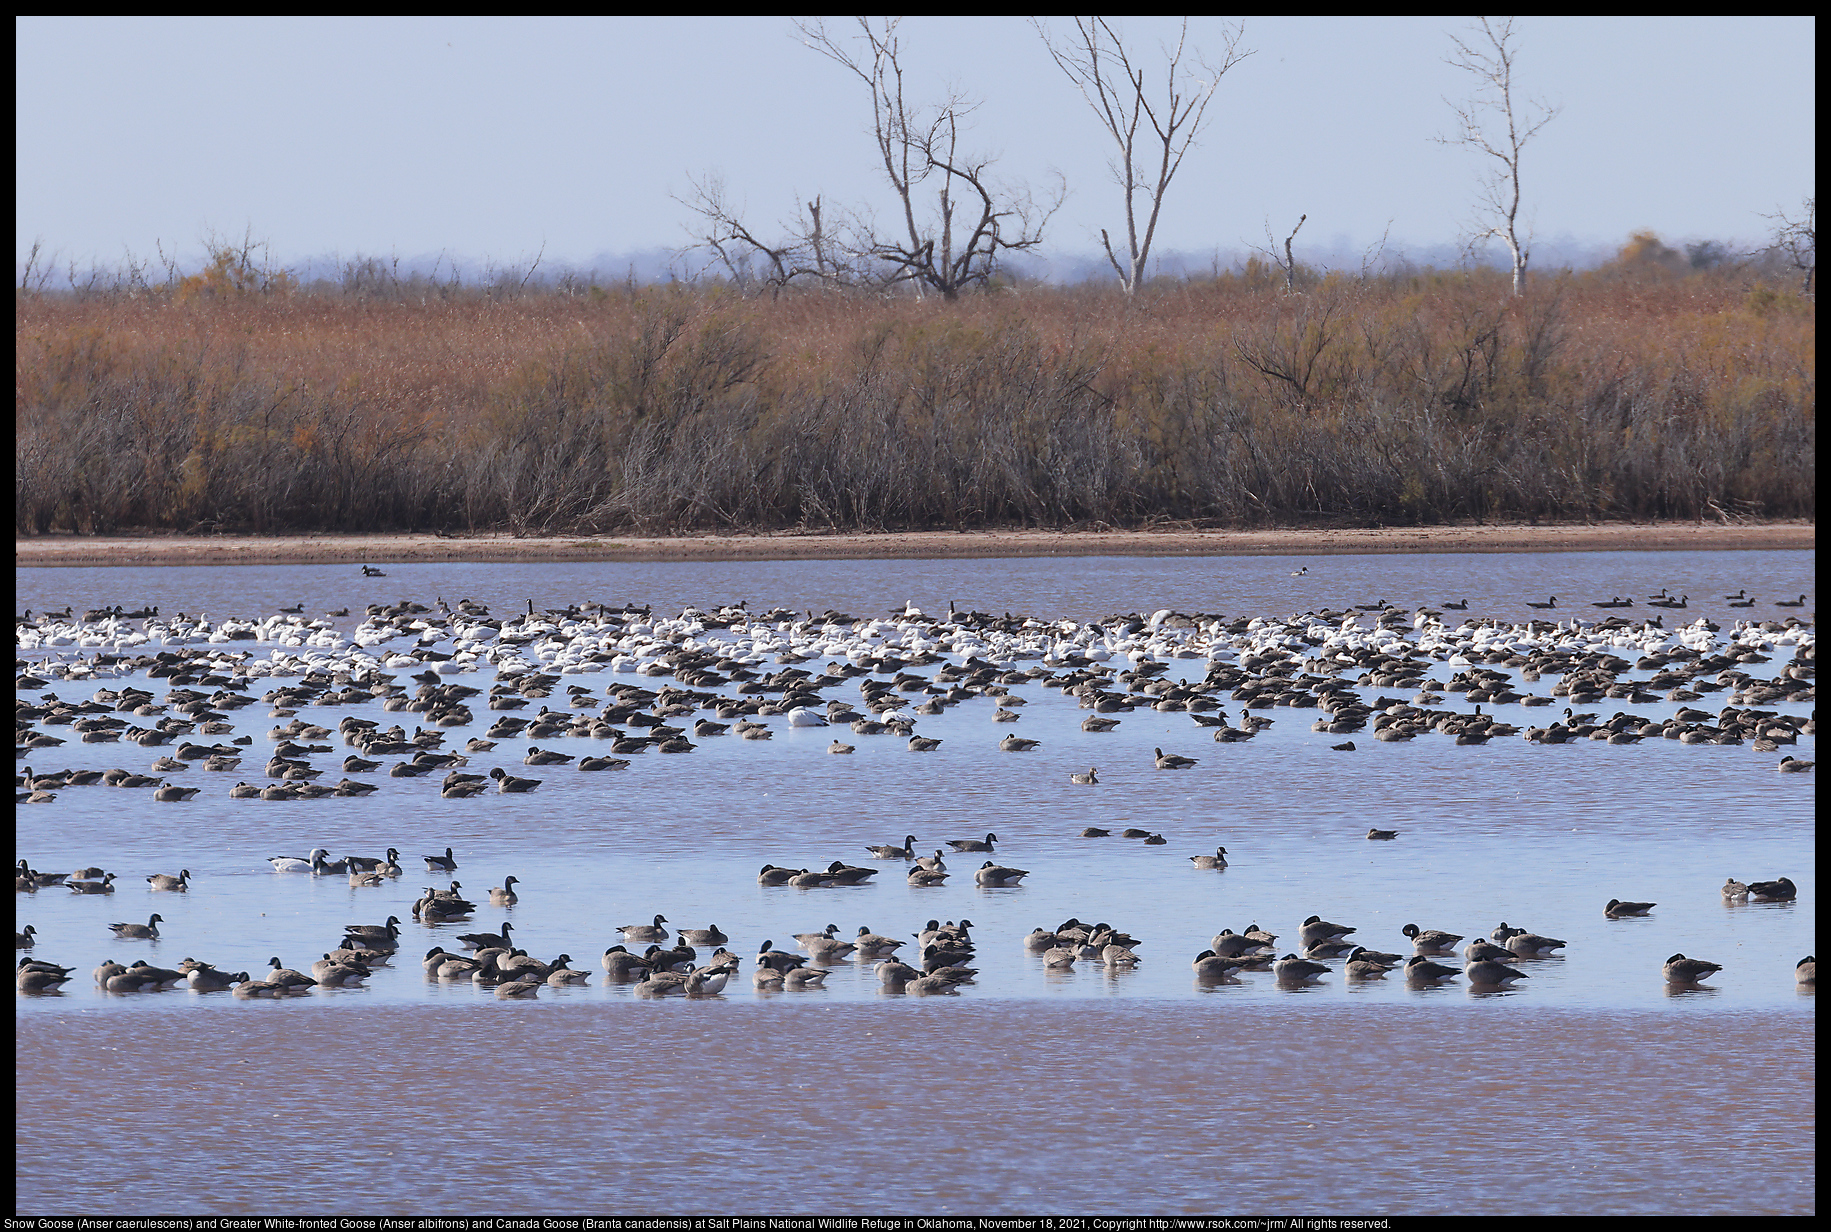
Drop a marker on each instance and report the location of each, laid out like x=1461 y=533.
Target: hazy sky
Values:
x=491 y=138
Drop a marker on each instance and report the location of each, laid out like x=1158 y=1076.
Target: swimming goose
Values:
x=296 y=864
x=805 y=977
x=381 y=932
x=1421 y=970
x=170 y=792
x=704 y=936
x=837 y=747
x=620 y=963
x=1382 y=835
x=874 y=945
x=926 y=876
x=1531 y=945
x=286 y=977
x=1173 y=761
x=1489 y=973
x=1211 y=967
x=134 y=932
x=26 y=939
x=934 y=863
x=1318 y=929
x=1805 y=971
x=1229 y=944
x=1618 y=910
x=441 y=864
x=1552 y=602
x=1682 y=970
x=1481 y=950
x=1134 y=832
x=770 y=875
x=1781 y=891
x=1735 y=891
x=487 y=941
x=991 y=874
x=1096 y=832
x=1792 y=765
x=972 y=844
x=104 y=886
x=924 y=744
x=1430 y=941
x=525 y=987
x=645 y=932
x=504 y=895
x=1091 y=776
x=506 y=782
x=1294 y=970
x=205 y=978
x=1799 y=602
x=1017 y=744
x=1364 y=965
x=905 y=852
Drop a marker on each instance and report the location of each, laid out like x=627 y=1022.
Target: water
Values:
x=1540 y=836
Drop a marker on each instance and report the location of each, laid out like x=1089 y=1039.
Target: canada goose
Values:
x=205 y=978
x=991 y=874
x=875 y=945
x=1799 y=602
x=170 y=792
x=1682 y=970
x=1098 y=723
x=488 y=941
x=619 y=963
x=359 y=878
x=837 y=747
x=919 y=876
x=1382 y=835
x=1550 y=603
x=1318 y=929
x=973 y=844
x=1134 y=832
x=1430 y=940
x=934 y=863
x=26 y=939
x=924 y=744
x=1490 y=973
x=286 y=977
x=645 y=932
x=770 y=875
x=1735 y=891
x=1090 y=777
x=1781 y=891
x=1347 y=746
x=1618 y=910
x=506 y=782
x=1531 y=945
x=35 y=980
x=1017 y=744
x=1096 y=832
x=905 y=852
x=1212 y=968
x=1173 y=761
x=1328 y=949
x=525 y=987
x=1294 y=970
x=1229 y=944
x=1363 y=965
x=504 y=895
x=805 y=977
x=709 y=935
x=1792 y=765
x=1421 y=970
x=1481 y=948
x=441 y=864
x=1805 y=971
x=134 y=932
x=104 y=886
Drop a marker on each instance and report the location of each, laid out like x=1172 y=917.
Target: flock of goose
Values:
x=722 y=672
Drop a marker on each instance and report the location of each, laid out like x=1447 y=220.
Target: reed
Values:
x=1625 y=392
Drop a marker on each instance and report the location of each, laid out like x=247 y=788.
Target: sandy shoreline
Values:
x=140 y=550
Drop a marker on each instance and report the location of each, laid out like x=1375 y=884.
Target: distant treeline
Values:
x=1641 y=390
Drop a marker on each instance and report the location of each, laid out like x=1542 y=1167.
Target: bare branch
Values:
x=1488 y=54
x=1097 y=62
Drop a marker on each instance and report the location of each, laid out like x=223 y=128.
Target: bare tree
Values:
x=1796 y=238
x=1488 y=53
x=1288 y=262
x=809 y=248
x=1097 y=62
x=974 y=220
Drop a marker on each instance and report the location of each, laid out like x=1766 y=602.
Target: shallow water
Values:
x=1540 y=836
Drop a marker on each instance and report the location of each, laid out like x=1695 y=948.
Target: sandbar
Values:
x=168 y=549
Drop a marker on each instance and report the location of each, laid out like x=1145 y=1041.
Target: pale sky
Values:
x=491 y=139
